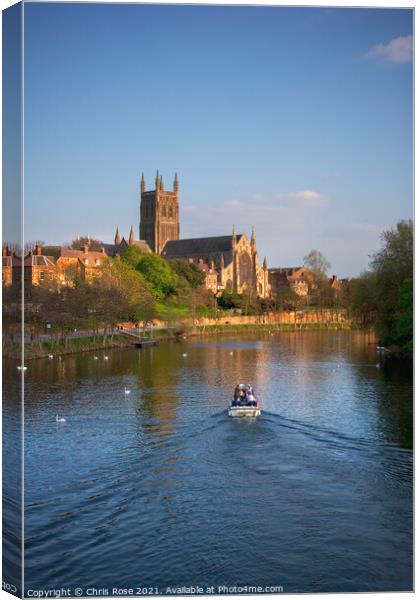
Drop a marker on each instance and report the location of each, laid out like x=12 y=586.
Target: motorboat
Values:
x=244 y=402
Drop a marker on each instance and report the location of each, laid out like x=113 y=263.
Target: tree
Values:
x=320 y=288
x=383 y=297
x=364 y=299
x=132 y=255
x=158 y=273
x=393 y=267
x=190 y=271
x=85 y=240
x=317 y=263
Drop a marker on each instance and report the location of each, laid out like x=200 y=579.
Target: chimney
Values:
x=38 y=249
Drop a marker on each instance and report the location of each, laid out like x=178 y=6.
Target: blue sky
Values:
x=297 y=121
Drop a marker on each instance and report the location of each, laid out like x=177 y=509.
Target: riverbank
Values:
x=43 y=349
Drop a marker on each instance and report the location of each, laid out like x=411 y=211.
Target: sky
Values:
x=297 y=121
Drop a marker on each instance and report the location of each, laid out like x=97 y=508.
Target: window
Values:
x=42 y=275
x=97 y=262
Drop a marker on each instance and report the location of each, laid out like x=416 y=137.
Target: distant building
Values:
x=83 y=263
x=119 y=244
x=159 y=214
x=298 y=279
x=7 y=266
x=234 y=257
x=37 y=268
x=211 y=277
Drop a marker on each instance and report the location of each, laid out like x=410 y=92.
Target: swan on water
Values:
x=127 y=391
x=20 y=368
x=60 y=419
x=51 y=356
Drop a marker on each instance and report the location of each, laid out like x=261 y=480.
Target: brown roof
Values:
x=89 y=258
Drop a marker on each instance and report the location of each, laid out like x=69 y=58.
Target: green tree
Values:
x=393 y=266
x=383 y=297
x=158 y=273
x=132 y=255
x=189 y=271
x=364 y=299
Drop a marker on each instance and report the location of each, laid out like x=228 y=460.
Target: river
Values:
x=160 y=488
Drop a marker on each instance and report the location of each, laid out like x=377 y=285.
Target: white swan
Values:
x=127 y=391
x=51 y=356
x=60 y=419
x=20 y=368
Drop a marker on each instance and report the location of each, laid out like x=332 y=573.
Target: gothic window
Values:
x=245 y=268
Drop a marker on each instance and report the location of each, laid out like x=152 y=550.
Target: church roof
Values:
x=199 y=246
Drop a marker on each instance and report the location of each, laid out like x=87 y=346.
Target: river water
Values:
x=160 y=488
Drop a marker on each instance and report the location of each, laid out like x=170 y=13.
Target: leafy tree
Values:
x=190 y=271
x=383 y=297
x=364 y=298
x=393 y=266
x=158 y=273
x=403 y=336
x=132 y=255
x=229 y=300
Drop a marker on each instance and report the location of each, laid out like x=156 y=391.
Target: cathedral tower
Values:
x=159 y=214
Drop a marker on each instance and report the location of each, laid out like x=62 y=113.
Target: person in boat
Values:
x=239 y=395
x=251 y=401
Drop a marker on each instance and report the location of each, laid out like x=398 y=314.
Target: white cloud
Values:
x=304 y=199
x=398 y=50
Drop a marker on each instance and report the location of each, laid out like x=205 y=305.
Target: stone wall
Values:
x=333 y=318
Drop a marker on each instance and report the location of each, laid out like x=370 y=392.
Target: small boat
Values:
x=244 y=403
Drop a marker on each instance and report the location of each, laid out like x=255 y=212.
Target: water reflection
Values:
x=161 y=482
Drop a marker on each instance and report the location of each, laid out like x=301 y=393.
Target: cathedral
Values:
x=234 y=258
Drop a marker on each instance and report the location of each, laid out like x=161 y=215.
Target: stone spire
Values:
x=117 y=239
x=253 y=240
x=131 y=236
x=265 y=263
x=161 y=183
x=157 y=179
x=176 y=183
x=233 y=237
x=143 y=183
